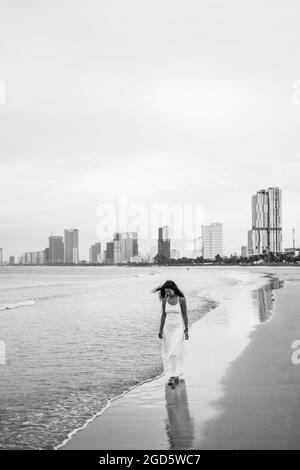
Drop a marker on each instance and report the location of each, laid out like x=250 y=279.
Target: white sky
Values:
x=161 y=101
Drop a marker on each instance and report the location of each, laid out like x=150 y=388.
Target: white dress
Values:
x=173 y=346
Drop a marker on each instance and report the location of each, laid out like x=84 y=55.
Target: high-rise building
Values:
x=109 y=253
x=33 y=257
x=46 y=255
x=164 y=244
x=266 y=233
x=1 y=256
x=212 y=240
x=250 y=244
x=71 y=254
x=56 y=249
x=244 y=251
x=117 y=248
x=11 y=260
x=95 y=251
x=125 y=246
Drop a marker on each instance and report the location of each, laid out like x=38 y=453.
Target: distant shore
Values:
x=141 y=265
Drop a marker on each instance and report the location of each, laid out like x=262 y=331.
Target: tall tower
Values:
x=95 y=252
x=109 y=254
x=71 y=246
x=266 y=233
x=164 y=244
x=125 y=246
x=212 y=240
x=56 y=250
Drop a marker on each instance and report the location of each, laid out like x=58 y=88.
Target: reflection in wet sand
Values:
x=226 y=331
x=179 y=424
x=264 y=298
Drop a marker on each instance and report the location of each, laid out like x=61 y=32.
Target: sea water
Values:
x=76 y=337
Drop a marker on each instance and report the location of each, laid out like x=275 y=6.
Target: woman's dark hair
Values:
x=168 y=285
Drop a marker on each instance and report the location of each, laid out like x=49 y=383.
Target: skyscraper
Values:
x=109 y=253
x=266 y=233
x=71 y=246
x=34 y=257
x=164 y=244
x=125 y=246
x=244 y=251
x=56 y=250
x=95 y=252
x=212 y=240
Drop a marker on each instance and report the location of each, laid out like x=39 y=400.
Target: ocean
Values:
x=77 y=337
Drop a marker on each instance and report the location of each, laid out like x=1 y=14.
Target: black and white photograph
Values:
x=149 y=228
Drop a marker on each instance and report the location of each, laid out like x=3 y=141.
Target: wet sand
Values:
x=260 y=407
x=241 y=390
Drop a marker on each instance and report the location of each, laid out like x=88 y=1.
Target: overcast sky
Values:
x=160 y=101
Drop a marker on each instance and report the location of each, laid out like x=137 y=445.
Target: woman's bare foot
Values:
x=171 y=380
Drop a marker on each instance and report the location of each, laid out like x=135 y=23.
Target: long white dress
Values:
x=173 y=346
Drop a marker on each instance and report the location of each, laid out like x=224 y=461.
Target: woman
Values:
x=173 y=329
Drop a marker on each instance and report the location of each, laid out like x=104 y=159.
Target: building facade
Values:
x=95 y=253
x=266 y=233
x=244 y=251
x=71 y=250
x=109 y=253
x=56 y=250
x=33 y=258
x=125 y=246
x=164 y=244
x=212 y=240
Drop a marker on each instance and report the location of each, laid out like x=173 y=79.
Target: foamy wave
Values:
x=21 y=303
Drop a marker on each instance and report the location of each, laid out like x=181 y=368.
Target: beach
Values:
x=78 y=337
x=241 y=389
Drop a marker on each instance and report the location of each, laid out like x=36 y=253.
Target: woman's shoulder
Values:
x=182 y=300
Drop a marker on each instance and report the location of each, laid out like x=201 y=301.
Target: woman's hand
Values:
x=186 y=335
x=160 y=335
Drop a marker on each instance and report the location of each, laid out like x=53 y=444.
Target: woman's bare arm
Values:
x=184 y=313
x=163 y=317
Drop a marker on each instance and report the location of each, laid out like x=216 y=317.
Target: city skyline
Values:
x=181 y=115
x=265 y=236
x=266 y=216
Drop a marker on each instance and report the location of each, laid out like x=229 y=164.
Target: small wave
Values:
x=21 y=303
x=145 y=275
x=108 y=404
x=31 y=301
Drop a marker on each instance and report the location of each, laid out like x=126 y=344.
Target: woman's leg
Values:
x=174 y=365
x=181 y=360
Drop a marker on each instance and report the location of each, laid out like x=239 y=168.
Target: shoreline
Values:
x=138 y=417
x=207 y=308
x=259 y=408
x=149 y=265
